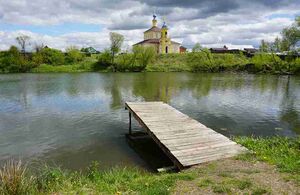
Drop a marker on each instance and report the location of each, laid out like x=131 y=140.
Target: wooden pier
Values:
x=184 y=140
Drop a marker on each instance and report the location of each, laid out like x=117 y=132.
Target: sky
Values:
x=83 y=23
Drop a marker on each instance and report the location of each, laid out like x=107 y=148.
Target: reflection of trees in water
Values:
x=201 y=84
x=115 y=90
x=288 y=109
x=272 y=83
x=164 y=86
x=157 y=86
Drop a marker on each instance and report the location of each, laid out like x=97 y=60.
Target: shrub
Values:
x=125 y=62
x=13 y=61
x=295 y=65
x=229 y=61
x=104 y=60
x=37 y=58
x=201 y=61
x=73 y=55
x=143 y=56
x=13 y=180
x=52 y=56
x=137 y=60
x=268 y=62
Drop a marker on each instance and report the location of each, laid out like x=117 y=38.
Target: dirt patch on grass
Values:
x=237 y=176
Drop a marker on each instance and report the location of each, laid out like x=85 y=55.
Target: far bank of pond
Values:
x=50 y=60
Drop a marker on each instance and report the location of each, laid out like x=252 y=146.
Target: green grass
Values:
x=85 y=66
x=44 y=68
x=208 y=62
x=280 y=151
x=115 y=181
x=203 y=61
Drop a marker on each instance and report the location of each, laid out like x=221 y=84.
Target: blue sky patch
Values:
x=273 y=16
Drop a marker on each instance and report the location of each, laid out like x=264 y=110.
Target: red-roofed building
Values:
x=158 y=38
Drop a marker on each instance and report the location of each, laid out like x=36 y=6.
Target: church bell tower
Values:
x=164 y=40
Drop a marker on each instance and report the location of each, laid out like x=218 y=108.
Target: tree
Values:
x=264 y=46
x=197 y=47
x=38 y=47
x=291 y=35
x=23 y=41
x=116 y=41
x=276 y=45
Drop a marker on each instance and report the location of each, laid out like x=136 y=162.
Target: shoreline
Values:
x=58 y=70
x=272 y=156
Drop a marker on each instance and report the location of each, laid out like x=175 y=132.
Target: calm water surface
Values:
x=73 y=119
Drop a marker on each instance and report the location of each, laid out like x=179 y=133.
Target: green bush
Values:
x=125 y=62
x=104 y=60
x=136 y=61
x=52 y=56
x=229 y=62
x=143 y=56
x=13 y=61
x=201 y=61
x=73 y=55
x=208 y=62
x=37 y=58
x=295 y=66
x=268 y=63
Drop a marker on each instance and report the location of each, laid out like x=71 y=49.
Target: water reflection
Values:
x=72 y=119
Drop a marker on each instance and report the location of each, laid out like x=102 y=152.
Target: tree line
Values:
x=290 y=36
x=111 y=58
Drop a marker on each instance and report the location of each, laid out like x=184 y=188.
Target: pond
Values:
x=74 y=119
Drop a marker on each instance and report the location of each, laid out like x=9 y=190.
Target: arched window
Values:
x=167 y=49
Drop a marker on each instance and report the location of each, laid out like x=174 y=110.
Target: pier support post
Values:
x=129 y=123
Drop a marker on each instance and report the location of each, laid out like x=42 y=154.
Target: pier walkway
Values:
x=184 y=140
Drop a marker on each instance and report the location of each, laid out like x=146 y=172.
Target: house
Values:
x=250 y=50
x=159 y=39
x=89 y=51
x=182 y=49
x=219 y=50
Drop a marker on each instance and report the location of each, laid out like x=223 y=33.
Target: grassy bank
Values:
x=145 y=59
x=284 y=153
x=189 y=62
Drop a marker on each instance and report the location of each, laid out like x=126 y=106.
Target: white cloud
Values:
x=244 y=23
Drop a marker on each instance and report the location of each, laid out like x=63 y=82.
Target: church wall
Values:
x=151 y=35
x=156 y=46
x=175 y=48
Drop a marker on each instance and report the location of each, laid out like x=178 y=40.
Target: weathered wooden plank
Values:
x=192 y=154
x=186 y=135
x=199 y=148
x=190 y=141
x=184 y=140
x=182 y=146
x=208 y=158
